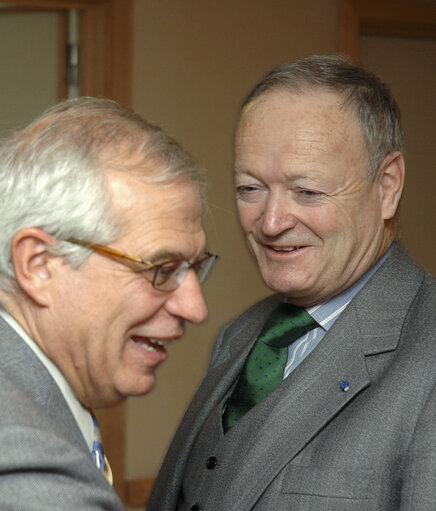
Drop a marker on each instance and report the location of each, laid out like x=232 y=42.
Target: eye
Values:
x=166 y=273
x=245 y=189
x=249 y=193
x=310 y=193
x=167 y=269
x=307 y=195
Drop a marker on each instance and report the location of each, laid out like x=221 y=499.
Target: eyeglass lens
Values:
x=202 y=268
x=169 y=277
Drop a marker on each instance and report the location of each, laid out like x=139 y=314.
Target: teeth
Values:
x=148 y=347
x=158 y=342
x=151 y=344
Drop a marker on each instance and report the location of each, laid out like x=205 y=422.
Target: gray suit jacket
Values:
x=45 y=463
x=309 y=445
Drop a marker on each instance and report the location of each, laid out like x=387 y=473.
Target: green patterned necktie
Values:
x=264 y=367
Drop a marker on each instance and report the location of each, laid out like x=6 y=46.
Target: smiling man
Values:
x=320 y=397
x=102 y=255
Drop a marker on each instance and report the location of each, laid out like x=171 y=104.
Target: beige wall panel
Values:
x=28 y=66
x=409 y=67
x=193 y=62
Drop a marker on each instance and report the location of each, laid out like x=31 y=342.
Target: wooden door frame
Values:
x=401 y=18
x=105 y=53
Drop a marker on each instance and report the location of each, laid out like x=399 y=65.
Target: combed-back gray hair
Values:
x=52 y=173
x=359 y=89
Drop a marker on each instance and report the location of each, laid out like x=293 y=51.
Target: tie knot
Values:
x=285 y=324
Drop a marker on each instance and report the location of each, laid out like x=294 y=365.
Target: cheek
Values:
x=342 y=219
x=115 y=316
x=325 y=223
x=144 y=305
x=364 y=216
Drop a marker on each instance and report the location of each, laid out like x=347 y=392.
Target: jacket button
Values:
x=195 y=508
x=211 y=463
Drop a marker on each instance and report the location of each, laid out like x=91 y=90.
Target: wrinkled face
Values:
x=107 y=317
x=311 y=216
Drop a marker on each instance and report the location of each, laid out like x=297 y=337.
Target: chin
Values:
x=281 y=282
x=140 y=388
x=283 y=288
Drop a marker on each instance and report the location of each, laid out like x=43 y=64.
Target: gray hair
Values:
x=360 y=90
x=52 y=173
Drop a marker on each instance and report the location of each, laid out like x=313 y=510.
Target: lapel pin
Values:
x=344 y=385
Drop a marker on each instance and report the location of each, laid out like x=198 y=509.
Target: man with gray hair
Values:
x=321 y=397
x=102 y=253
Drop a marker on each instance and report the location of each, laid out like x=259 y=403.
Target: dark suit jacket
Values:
x=309 y=445
x=45 y=463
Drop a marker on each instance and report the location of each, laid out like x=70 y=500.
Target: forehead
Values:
x=315 y=116
x=294 y=103
x=156 y=216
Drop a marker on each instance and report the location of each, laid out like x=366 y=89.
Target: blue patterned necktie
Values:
x=98 y=454
x=263 y=370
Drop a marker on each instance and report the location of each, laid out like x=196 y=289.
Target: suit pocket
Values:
x=333 y=482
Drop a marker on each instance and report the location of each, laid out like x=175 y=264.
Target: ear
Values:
x=32 y=261
x=391 y=178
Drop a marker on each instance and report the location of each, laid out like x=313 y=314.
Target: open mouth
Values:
x=149 y=344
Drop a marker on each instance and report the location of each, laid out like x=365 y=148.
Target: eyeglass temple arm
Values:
x=112 y=251
x=108 y=250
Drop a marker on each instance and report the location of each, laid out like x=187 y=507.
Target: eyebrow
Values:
x=163 y=254
x=244 y=172
x=290 y=178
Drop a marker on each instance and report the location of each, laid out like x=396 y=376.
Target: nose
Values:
x=278 y=215
x=187 y=301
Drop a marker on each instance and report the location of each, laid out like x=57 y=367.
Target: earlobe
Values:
x=31 y=259
x=391 y=176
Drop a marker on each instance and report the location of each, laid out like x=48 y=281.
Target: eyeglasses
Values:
x=165 y=276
